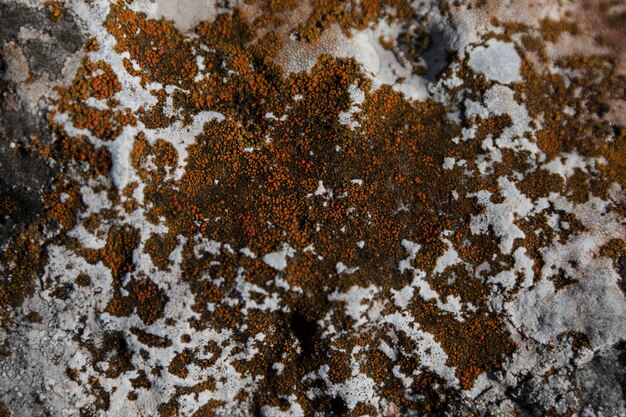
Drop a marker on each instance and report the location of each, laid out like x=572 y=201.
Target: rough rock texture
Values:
x=312 y=208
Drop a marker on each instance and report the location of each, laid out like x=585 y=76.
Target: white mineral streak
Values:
x=186 y=14
x=432 y=356
x=356 y=301
x=502 y=216
x=378 y=63
x=294 y=409
x=497 y=60
x=450 y=257
x=595 y=304
x=278 y=260
x=358 y=388
x=356 y=97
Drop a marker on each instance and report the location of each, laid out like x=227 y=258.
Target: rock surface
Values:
x=312 y=208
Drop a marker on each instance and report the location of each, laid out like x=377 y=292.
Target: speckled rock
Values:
x=312 y=208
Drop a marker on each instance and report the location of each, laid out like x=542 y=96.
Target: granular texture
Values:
x=316 y=208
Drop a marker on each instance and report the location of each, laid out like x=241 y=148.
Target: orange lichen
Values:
x=144 y=298
x=93 y=81
x=265 y=198
x=56 y=10
x=92 y=45
x=18 y=278
x=552 y=29
x=350 y=14
x=157 y=46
